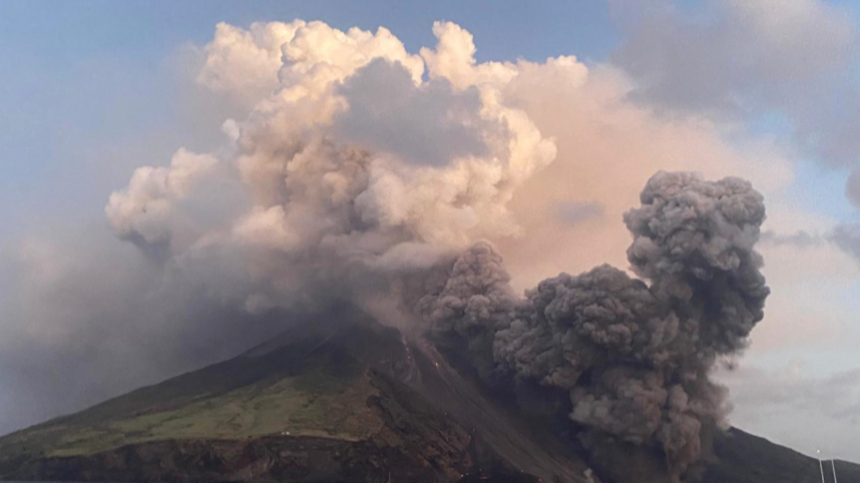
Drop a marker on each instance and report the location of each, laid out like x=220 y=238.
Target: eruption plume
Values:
x=632 y=354
x=353 y=166
x=358 y=176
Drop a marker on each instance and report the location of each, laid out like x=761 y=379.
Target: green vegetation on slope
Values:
x=313 y=404
x=310 y=386
x=323 y=403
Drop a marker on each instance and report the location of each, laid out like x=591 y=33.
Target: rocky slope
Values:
x=329 y=402
x=342 y=399
x=745 y=458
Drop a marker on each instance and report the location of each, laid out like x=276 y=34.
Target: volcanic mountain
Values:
x=345 y=399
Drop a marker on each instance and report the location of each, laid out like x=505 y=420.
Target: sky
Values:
x=93 y=90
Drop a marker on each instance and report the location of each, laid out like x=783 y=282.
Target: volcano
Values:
x=346 y=399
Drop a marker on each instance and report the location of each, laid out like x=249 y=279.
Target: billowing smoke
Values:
x=353 y=167
x=356 y=173
x=632 y=354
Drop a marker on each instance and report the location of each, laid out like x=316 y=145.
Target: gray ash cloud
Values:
x=633 y=355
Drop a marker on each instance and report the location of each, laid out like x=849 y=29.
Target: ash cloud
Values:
x=353 y=167
x=430 y=125
x=326 y=188
x=358 y=177
x=633 y=355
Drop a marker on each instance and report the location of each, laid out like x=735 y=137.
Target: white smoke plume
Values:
x=350 y=161
x=634 y=355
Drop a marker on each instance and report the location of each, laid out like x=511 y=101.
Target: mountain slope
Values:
x=342 y=399
x=326 y=402
x=745 y=458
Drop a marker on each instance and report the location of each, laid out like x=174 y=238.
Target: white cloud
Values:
x=245 y=63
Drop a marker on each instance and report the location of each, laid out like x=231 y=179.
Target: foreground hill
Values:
x=744 y=458
x=335 y=401
x=323 y=403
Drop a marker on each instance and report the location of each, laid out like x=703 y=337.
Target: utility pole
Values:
x=820 y=465
x=833 y=465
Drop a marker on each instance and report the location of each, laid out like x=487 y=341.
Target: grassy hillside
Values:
x=318 y=402
x=321 y=403
x=307 y=387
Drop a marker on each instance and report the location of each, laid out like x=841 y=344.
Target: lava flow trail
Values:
x=509 y=437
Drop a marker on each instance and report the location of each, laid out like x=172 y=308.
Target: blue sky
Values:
x=91 y=90
x=57 y=30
